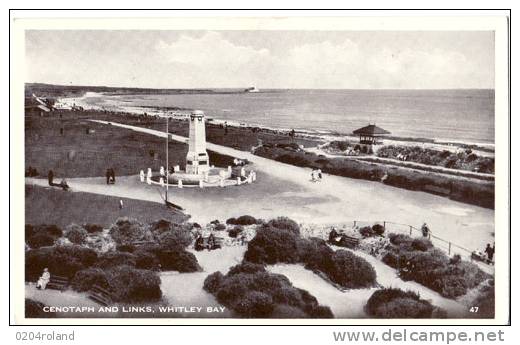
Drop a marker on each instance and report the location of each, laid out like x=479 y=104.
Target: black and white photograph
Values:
x=286 y=171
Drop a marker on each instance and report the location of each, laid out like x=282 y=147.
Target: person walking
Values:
x=425 y=230
x=50 y=178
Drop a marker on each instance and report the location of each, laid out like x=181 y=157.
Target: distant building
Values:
x=36 y=110
x=197 y=159
x=369 y=134
x=252 y=89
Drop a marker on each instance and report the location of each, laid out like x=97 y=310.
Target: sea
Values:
x=453 y=115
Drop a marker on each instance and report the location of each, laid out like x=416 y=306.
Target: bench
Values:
x=58 y=283
x=100 y=295
x=346 y=241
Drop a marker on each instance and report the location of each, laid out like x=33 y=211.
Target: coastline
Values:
x=451 y=144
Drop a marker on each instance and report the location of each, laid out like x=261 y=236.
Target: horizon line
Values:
x=243 y=87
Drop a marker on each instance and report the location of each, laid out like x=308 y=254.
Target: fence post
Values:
x=384 y=225
x=354 y=224
x=449 y=248
x=410 y=230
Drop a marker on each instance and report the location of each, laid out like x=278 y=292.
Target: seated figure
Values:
x=44 y=279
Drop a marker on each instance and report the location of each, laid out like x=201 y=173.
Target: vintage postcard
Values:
x=242 y=170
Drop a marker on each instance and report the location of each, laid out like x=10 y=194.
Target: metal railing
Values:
x=447 y=246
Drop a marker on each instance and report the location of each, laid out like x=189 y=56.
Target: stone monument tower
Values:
x=197 y=160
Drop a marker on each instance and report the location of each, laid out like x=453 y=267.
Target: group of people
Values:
x=316 y=175
x=111 y=176
x=210 y=244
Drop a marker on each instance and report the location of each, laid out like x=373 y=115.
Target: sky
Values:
x=266 y=59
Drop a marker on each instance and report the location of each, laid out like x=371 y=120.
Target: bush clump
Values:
x=132 y=285
x=285 y=223
x=252 y=292
x=417 y=260
x=76 y=234
x=41 y=239
x=92 y=228
x=115 y=258
x=86 y=279
x=60 y=260
x=178 y=260
x=242 y=220
x=234 y=232
x=127 y=231
x=34 y=310
x=273 y=245
x=43 y=235
x=372 y=231
x=399 y=304
x=177 y=238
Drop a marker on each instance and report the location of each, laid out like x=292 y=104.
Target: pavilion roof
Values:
x=371 y=130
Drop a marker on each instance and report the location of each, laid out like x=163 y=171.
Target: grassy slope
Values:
x=77 y=154
x=54 y=206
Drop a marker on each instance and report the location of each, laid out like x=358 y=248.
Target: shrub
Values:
x=160 y=226
x=92 y=228
x=246 y=267
x=378 y=229
x=254 y=304
x=60 y=260
x=177 y=238
x=396 y=303
x=128 y=248
x=420 y=262
x=235 y=231
x=85 y=279
x=220 y=227
x=213 y=281
x=398 y=239
x=42 y=235
x=366 y=231
x=244 y=220
x=34 y=309
x=251 y=291
x=271 y=245
x=485 y=300
x=146 y=260
x=231 y=221
x=285 y=223
x=134 y=285
x=178 y=260
x=111 y=259
x=76 y=234
x=421 y=244
x=41 y=239
x=127 y=231
x=350 y=271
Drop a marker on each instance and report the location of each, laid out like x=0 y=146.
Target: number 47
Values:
x=473 y=310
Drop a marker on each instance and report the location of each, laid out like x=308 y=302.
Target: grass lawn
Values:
x=54 y=206
x=78 y=154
